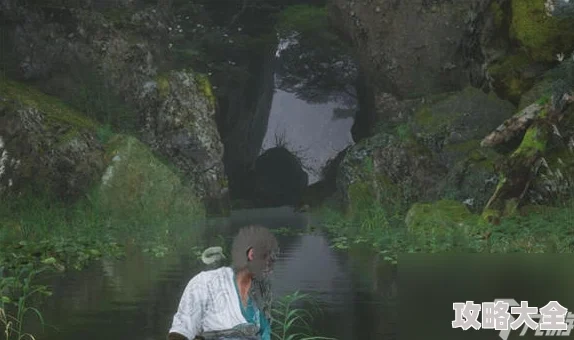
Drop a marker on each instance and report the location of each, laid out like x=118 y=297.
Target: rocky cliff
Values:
x=115 y=65
x=437 y=78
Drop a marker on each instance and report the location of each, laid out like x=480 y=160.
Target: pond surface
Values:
x=136 y=297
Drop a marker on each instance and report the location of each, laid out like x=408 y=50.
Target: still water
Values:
x=136 y=297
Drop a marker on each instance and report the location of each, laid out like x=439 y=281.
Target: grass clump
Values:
x=447 y=226
x=290 y=322
x=142 y=204
x=13 y=311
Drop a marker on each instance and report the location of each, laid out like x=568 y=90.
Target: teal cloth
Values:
x=250 y=314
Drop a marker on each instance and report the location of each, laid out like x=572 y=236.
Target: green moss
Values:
x=534 y=141
x=490 y=216
x=138 y=181
x=223 y=182
x=68 y=136
x=472 y=151
x=361 y=195
x=163 y=85
x=465 y=147
x=438 y=217
x=544 y=99
x=302 y=18
x=205 y=87
x=434 y=122
x=508 y=75
x=498 y=14
x=511 y=207
x=442 y=113
x=54 y=110
x=541 y=35
x=403 y=131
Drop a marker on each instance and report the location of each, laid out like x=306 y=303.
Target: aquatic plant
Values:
x=16 y=293
x=290 y=323
x=532 y=229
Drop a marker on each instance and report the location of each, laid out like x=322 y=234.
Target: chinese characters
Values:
x=552 y=317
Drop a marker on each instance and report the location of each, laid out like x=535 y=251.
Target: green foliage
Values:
x=104 y=133
x=137 y=184
x=545 y=230
x=303 y=19
x=292 y=323
x=40 y=232
x=316 y=65
x=378 y=219
x=403 y=131
x=96 y=99
x=15 y=294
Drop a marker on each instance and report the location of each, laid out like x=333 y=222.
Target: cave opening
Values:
x=304 y=112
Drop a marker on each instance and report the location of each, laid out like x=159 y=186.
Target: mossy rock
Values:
x=202 y=81
x=388 y=170
x=543 y=89
x=49 y=147
x=497 y=13
x=206 y=88
x=508 y=74
x=184 y=130
x=534 y=142
x=554 y=183
x=54 y=110
x=541 y=35
x=539 y=93
x=444 y=216
x=162 y=81
x=472 y=179
x=491 y=216
x=137 y=181
x=461 y=116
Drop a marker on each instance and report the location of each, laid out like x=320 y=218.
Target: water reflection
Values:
x=135 y=298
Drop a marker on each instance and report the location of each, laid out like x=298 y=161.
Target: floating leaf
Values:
x=49 y=261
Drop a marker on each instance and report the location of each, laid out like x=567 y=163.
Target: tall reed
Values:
x=291 y=323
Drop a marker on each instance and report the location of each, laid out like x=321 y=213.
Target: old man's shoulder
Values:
x=210 y=275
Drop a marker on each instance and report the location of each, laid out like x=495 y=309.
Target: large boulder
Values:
x=539 y=144
x=279 y=178
x=45 y=147
x=538 y=39
x=435 y=154
x=419 y=47
x=325 y=190
x=136 y=181
x=442 y=218
x=453 y=126
x=387 y=167
x=91 y=55
x=180 y=124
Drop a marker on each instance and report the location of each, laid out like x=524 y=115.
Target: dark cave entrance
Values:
x=286 y=119
x=304 y=137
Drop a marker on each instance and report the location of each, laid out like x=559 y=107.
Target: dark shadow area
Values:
x=315 y=65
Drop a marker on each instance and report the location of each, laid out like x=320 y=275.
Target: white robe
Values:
x=209 y=303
